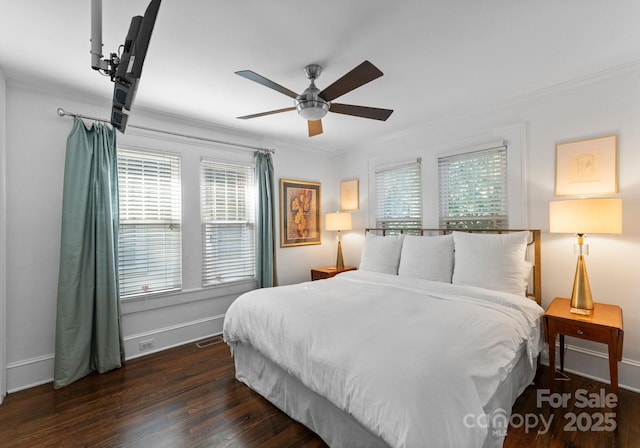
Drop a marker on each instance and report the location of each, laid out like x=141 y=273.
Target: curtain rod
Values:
x=63 y=113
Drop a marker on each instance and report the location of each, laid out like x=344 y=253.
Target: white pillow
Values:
x=492 y=261
x=427 y=257
x=381 y=253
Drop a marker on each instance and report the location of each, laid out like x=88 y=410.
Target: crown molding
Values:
x=590 y=78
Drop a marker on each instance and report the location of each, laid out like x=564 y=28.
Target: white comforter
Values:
x=408 y=358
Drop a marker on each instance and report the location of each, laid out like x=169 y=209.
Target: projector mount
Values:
x=109 y=66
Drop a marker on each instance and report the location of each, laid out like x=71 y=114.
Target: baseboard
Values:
x=30 y=373
x=173 y=336
x=595 y=365
x=36 y=371
x=39 y=370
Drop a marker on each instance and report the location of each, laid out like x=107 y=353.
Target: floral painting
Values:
x=299 y=213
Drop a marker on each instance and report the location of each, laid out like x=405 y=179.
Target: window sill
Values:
x=155 y=301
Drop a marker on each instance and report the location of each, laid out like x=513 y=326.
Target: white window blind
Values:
x=399 y=196
x=228 y=222
x=473 y=189
x=150 y=256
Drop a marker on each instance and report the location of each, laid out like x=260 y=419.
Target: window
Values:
x=228 y=224
x=399 y=196
x=149 y=250
x=473 y=189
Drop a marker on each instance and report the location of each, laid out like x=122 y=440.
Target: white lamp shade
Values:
x=337 y=221
x=586 y=216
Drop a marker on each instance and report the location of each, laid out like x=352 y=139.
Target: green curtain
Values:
x=88 y=327
x=266 y=266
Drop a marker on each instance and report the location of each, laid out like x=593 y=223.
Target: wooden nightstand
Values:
x=603 y=325
x=328 y=272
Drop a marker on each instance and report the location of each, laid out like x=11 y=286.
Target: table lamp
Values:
x=583 y=216
x=338 y=221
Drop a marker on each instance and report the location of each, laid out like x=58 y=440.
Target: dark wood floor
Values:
x=188 y=397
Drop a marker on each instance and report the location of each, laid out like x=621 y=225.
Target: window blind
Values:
x=473 y=189
x=228 y=222
x=150 y=256
x=399 y=196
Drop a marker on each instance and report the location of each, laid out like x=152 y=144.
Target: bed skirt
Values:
x=339 y=429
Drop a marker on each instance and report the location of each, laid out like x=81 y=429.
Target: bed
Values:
x=428 y=343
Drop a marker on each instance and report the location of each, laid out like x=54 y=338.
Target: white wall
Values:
x=36 y=144
x=3 y=239
x=35 y=147
x=601 y=105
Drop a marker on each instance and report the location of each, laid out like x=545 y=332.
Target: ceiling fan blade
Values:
x=271 y=112
x=361 y=111
x=359 y=76
x=315 y=127
x=266 y=82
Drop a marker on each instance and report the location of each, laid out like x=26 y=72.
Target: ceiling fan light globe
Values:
x=312 y=109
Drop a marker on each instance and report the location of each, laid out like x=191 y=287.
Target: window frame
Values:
x=374 y=194
x=159 y=154
x=250 y=223
x=516 y=137
x=498 y=221
x=190 y=152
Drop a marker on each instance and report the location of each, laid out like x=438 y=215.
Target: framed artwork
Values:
x=587 y=167
x=349 y=195
x=299 y=213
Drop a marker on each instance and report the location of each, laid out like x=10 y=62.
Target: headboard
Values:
x=533 y=253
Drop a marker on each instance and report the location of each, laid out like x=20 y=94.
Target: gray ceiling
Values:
x=438 y=57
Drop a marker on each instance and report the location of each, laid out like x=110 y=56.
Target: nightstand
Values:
x=603 y=325
x=329 y=271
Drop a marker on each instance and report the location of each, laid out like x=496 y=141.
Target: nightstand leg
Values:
x=562 y=353
x=551 y=335
x=613 y=363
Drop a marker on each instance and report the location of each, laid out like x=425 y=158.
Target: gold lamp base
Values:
x=581 y=300
x=339 y=259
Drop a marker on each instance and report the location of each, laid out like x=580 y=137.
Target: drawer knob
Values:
x=580 y=332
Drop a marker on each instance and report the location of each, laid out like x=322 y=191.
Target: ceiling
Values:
x=438 y=57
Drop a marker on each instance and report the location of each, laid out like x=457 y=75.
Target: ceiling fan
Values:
x=313 y=104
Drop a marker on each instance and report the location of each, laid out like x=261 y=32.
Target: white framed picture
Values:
x=587 y=167
x=349 y=195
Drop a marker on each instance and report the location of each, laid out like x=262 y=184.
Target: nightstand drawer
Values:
x=584 y=331
x=317 y=275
